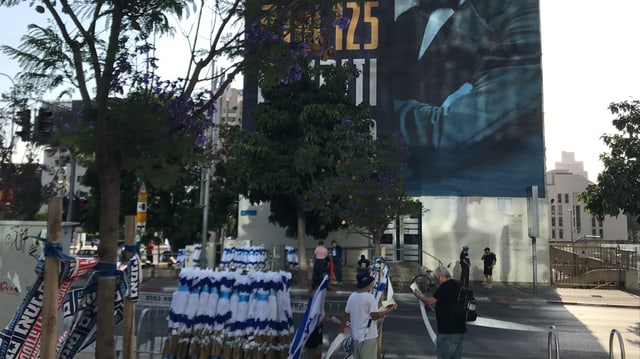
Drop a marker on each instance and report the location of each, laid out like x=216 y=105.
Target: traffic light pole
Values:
x=13 y=108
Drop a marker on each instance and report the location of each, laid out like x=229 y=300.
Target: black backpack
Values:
x=466 y=305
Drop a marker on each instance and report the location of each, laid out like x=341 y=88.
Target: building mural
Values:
x=461 y=81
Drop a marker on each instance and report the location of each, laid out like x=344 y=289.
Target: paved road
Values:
x=513 y=322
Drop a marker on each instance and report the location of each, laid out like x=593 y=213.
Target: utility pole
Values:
x=14 y=99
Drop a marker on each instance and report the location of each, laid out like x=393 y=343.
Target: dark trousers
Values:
x=337 y=270
x=464 y=276
x=320 y=268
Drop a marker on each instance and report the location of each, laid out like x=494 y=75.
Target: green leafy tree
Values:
x=288 y=152
x=618 y=187
x=366 y=189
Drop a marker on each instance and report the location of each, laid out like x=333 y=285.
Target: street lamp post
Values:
x=13 y=107
x=573 y=244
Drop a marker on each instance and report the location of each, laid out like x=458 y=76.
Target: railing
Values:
x=151 y=332
x=553 y=343
x=616 y=333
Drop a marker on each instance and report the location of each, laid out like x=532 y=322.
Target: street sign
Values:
x=141 y=214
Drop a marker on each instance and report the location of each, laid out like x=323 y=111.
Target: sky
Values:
x=590 y=58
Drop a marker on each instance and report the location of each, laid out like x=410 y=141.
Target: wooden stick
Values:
x=51 y=273
x=129 y=320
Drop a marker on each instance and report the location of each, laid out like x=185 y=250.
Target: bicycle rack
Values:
x=615 y=332
x=553 y=343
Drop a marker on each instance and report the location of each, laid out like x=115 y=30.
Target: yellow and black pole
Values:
x=141 y=214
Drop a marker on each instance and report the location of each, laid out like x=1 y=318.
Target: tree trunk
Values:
x=302 y=246
x=109 y=214
x=377 y=236
x=108 y=166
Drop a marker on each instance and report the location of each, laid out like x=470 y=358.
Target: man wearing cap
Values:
x=361 y=310
x=465 y=265
x=451 y=327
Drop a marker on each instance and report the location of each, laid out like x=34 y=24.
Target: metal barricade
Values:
x=616 y=333
x=553 y=343
x=151 y=332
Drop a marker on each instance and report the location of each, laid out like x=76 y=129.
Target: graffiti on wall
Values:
x=17 y=240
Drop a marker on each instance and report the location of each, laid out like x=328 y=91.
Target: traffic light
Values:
x=24 y=121
x=80 y=209
x=44 y=123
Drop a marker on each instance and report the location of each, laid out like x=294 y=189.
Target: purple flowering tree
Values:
x=86 y=48
x=366 y=186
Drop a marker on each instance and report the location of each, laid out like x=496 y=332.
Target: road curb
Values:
x=610 y=305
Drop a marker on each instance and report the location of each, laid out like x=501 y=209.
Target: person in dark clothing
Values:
x=336 y=258
x=451 y=327
x=489 y=260
x=363 y=263
x=465 y=265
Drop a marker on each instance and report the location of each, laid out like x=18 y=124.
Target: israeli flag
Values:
x=312 y=317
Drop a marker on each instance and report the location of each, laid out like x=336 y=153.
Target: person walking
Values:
x=451 y=327
x=465 y=265
x=336 y=259
x=321 y=254
x=489 y=260
x=361 y=310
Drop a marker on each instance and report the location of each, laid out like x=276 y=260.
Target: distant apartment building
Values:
x=570 y=164
x=568 y=219
x=230 y=107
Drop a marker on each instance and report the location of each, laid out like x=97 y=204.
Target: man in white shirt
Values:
x=361 y=310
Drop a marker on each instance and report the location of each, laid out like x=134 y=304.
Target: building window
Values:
x=553 y=234
x=553 y=209
x=553 y=221
x=593 y=231
x=560 y=234
x=560 y=221
x=560 y=209
x=504 y=204
x=601 y=233
x=566 y=198
x=600 y=223
x=593 y=222
x=559 y=197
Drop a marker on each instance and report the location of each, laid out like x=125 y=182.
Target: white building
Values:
x=568 y=219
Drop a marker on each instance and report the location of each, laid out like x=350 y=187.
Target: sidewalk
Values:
x=564 y=296
x=499 y=293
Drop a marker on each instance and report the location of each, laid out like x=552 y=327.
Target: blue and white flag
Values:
x=312 y=317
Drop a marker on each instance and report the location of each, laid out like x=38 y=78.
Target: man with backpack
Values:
x=451 y=325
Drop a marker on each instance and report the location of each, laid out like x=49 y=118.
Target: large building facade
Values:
x=462 y=85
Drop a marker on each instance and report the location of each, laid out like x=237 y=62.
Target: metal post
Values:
x=205 y=217
x=534 y=230
x=573 y=247
x=14 y=99
x=72 y=187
